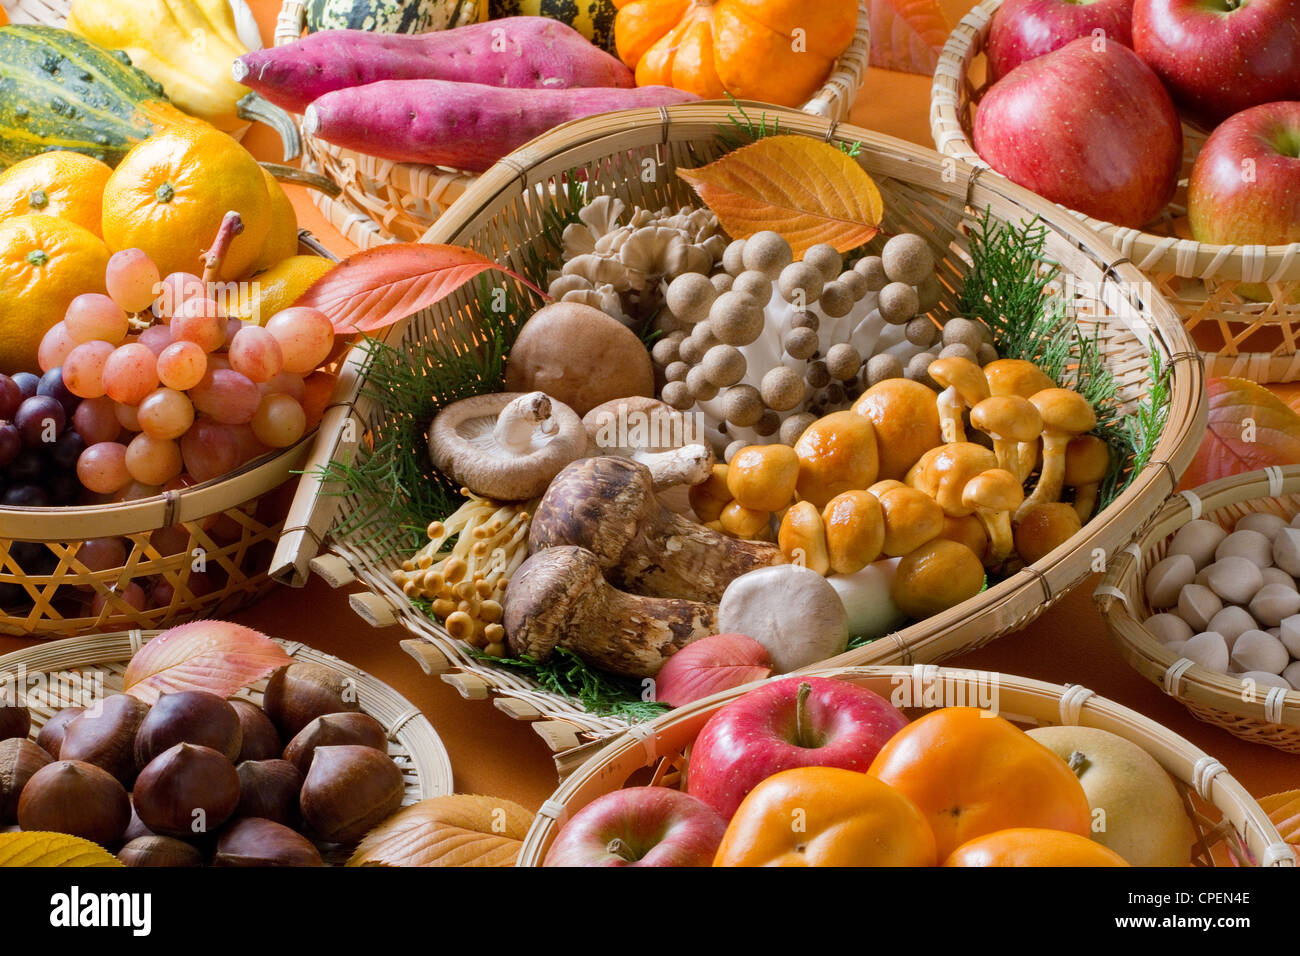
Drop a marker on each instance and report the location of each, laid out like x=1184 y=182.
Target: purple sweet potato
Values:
x=463 y=125
x=517 y=52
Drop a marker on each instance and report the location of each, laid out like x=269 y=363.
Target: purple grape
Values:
x=52 y=385
x=25 y=496
x=11 y=443
x=27 y=467
x=11 y=396
x=27 y=383
x=41 y=419
x=65 y=489
x=67 y=450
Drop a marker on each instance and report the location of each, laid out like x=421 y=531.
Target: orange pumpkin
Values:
x=1028 y=846
x=973 y=773
x=775 y=51
x=825 y=816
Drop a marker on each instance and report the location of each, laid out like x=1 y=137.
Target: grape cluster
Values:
x=39 y=444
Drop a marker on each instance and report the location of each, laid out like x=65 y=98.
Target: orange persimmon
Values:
x=1029 y=846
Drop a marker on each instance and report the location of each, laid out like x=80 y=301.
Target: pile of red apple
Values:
x=1087 y=97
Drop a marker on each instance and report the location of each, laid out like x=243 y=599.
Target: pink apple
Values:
x=797 y=722
x=1245 y=186
x=1219 y=57
x=1024 y=29
x=640 y=826
x=1087 y=126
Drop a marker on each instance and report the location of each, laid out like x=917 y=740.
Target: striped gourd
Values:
x=391 y=16
x=594 y=19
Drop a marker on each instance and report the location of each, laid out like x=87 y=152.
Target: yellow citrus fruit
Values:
x=59 y=183
x=171 y=191
x=45 y=263
x=282 y=239
x=279 y=287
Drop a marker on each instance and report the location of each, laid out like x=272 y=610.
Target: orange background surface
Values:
x=493 y=754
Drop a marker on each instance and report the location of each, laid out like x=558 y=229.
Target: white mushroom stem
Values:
x=1051 y=480
x=688 y=465
x=950 y=409
x=998 y=526
x=521 y=419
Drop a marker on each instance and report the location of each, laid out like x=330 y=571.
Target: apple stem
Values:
x=801 y=714
x=1078 y=762
x=616 y=847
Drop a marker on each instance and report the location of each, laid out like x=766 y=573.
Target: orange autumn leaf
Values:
x=808 y=191
x=1289 y=392
x=907 y=35
x=1248 y=428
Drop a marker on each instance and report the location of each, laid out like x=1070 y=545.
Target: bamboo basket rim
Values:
x=1072 y=704
x=1117 y=594
x=1255 y=263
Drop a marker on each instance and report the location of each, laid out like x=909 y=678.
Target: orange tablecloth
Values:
x=493 y=754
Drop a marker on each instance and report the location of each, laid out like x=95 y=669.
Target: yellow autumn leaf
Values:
x=808 y=191
x=37 y=848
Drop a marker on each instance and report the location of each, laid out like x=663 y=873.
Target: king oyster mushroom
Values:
x=507 y=446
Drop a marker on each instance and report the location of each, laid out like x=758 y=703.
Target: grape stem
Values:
x=231 y=226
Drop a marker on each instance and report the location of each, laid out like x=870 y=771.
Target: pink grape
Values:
x=55 y=346
x=219 y=360
x=92 y=317
x=162 y=594
x=226 y=396
x=233 y=325
x=152 y=461
x=102 y=554
x=179 y=482
x=130 y=373
x=199 y=321
x=210 y=450
x=102 y=468
x=250 y=446
x=284 y=384
x=255 y=353
x=128 y=416
x=156 y=338
x=135 y=490
x=165 y=413
x=95 y=420
x=132 y=595
x=132 y=279
x=182 y=365
x=83 y=369
x=175 y=290
x=279 y=422
x=171 y=540
x=306 y=337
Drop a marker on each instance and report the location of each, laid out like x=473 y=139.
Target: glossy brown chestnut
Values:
x=348 y=790
x=19 y=759
x=298 y=694
x=159 y=851
x=253 y=841
x=136 y=828
x=332 y=730
x=188 y=717
x=186 y=791
x=269 y=789
x=105 y=736
x=50 y=738
x=15 y=721
x=70 y=796
x=261 y=739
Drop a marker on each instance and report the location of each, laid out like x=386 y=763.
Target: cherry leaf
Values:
x=373 y=289
x=710 y=665
x=215 y=656
x=907 y=35
x=1249 y=428
x=39 y=848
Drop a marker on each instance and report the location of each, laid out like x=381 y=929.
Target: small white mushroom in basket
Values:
x=790 y=610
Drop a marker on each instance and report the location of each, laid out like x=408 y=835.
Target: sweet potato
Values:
x=464 y=125
x=518 y=52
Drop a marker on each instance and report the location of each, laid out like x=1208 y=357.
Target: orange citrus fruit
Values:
x=58 y=183
x=282 y=238
x=45 y=263
x=278 y=287
x=171 y=191
x=1030 y=846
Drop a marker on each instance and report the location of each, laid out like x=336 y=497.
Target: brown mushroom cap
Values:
x=967 y=530
x=963 y=376
x=837 y=453
x=1016 y=377
x=1064 y=411
x=995 y=489
x=1008 y=418
x=911 y=519
x=936 y=576
x=1042 y=529
x=855 y=531
x=942 y=473
x=763 y=477
x=802 y=537
x=1087 y=459
x=906 y=418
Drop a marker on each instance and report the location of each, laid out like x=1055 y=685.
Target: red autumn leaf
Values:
x=710 y=665
x=907 y=35
x=371 y=290
x=1249 y=428
x=215 y=656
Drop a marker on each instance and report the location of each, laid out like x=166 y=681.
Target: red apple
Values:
x=640 y=826
x=1089 y=127
x=1219 y=57
x=797 y=722
x=1024 y=29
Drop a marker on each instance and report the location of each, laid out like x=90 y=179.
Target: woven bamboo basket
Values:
x=79 y=671
x=1270 y=715
x=1225 y=817
x=1239 y=334
x=500 y=216
x=383 y=201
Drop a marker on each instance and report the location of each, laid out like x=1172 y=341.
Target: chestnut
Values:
x=15 y=721
x=71 y=796
x=298 y=694
x=50 y=739
x=159 y=851
x=189 y=717
x=186 y=790
x=19 y=759
x=269 y=789
x=105 y=736
x=333 y=729
x=348 y=790
x=261 y=739
x=136 y=828
x=253 y=841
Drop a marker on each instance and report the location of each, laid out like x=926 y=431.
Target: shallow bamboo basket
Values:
x=1270 y=715
x=499 y=217
x=1224 y=815
x=383 y=201
x=79 y=671
x=1258 y=340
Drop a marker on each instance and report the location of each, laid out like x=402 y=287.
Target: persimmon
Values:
x=1031 y=846
x=972 y=772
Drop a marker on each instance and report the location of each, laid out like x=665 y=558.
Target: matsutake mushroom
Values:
x=506 y=446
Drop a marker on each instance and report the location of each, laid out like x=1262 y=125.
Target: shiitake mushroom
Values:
x=15 y=721
x=348 y=790
x=298 y=694
x=153 y=850
x=50 y=739
x=78 y=798
x=253 y=841
x=334 y=729
x=105 y=736
x=186 y=791
x=19 y=760
x=269 y=789
x=261 y=741
x=189 y=717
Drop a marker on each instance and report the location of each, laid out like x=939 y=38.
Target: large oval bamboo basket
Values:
x=1224 y=815
x=1267 y=715
x=79 y=671
x=1242 y=336
x=383 y=201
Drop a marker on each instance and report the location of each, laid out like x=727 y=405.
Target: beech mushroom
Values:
x=506 y=446
x=837 y=453
x=803 y=537
x=912 y=518
x=608 y=506
x=559 y=598
x=855 y=531
x=790 y=610
x=993 y=495
x=935 y=577
x=905 y=415
x=942 y=473
x=1013 y=423
x=964 y=386
x=1041 y=529
x=1066 y=414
